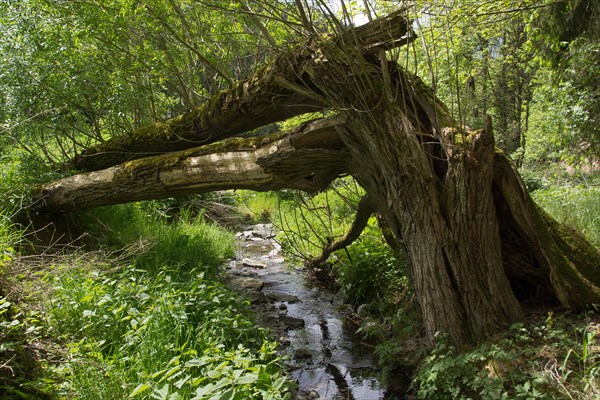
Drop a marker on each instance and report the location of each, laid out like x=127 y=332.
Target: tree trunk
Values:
x=546 y=262
x=434 y=187
x=307 y=158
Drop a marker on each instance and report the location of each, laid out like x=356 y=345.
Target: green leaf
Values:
x=141 y=388
x=201 y=392
x=247 y=379
x=162 y=393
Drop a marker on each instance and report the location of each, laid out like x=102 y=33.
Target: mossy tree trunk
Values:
x=306 y=158
x=476 y=243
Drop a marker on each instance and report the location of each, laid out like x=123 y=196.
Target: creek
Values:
x=322 y=352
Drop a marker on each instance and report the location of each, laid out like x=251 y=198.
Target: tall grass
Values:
x=578 y=207
x=257 y=207
x=187 y=242
x=9 y=238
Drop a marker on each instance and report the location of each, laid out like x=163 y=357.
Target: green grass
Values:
x=10 y=236
x=577 y=207
x=257 y=207
x=187 y=242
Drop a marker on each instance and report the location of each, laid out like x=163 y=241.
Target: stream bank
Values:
x=323 y=354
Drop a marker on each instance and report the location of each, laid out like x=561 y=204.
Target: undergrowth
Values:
x=577 y=207
x=257 y=207
x=555 y=358
x=142 y=316
x=167 y=335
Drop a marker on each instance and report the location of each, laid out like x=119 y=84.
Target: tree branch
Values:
x=363 y=213
x=271 y=95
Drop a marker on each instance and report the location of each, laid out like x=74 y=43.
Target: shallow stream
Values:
x=324 y=355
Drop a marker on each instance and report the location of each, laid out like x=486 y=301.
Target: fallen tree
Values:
x=306 y=158
x=477 y=244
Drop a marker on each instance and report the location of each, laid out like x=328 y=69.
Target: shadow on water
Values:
x=324 y=355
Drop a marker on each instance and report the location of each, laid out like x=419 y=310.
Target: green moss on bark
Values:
x=137 y=169
x=575 y=263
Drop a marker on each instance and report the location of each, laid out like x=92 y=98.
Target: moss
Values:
x=136 y=169
x=583 y=254
x=573 y=261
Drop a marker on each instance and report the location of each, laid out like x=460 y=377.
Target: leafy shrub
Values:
x=369 y=263
x=530 y=362
x=17 y=176
x=163 y=336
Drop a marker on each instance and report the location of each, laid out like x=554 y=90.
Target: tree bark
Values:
x=546 y=262
x=307 y=158
x=434 y=188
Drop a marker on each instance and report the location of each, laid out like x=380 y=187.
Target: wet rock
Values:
x=274 y=259
x=247 y=262
x=245 y=235
x=279 y=296
x=242 y=271
x=247 y=272
x=283 y=341
x=258 y=298
x=313 y=395
x=292 y=322
x=282 y=306
x=246 y=283
x=302 y=354
x=264 y=231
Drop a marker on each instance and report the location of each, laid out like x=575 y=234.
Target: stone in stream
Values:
x=279 y=296
x=247 y=283
x=313 y=395
x=245 y=235
x=257 y=297
x=264 y=231
x=292 y=322
x=302 y=354
x=253 y=263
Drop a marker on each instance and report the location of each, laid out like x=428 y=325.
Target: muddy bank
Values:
x=324 y=355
